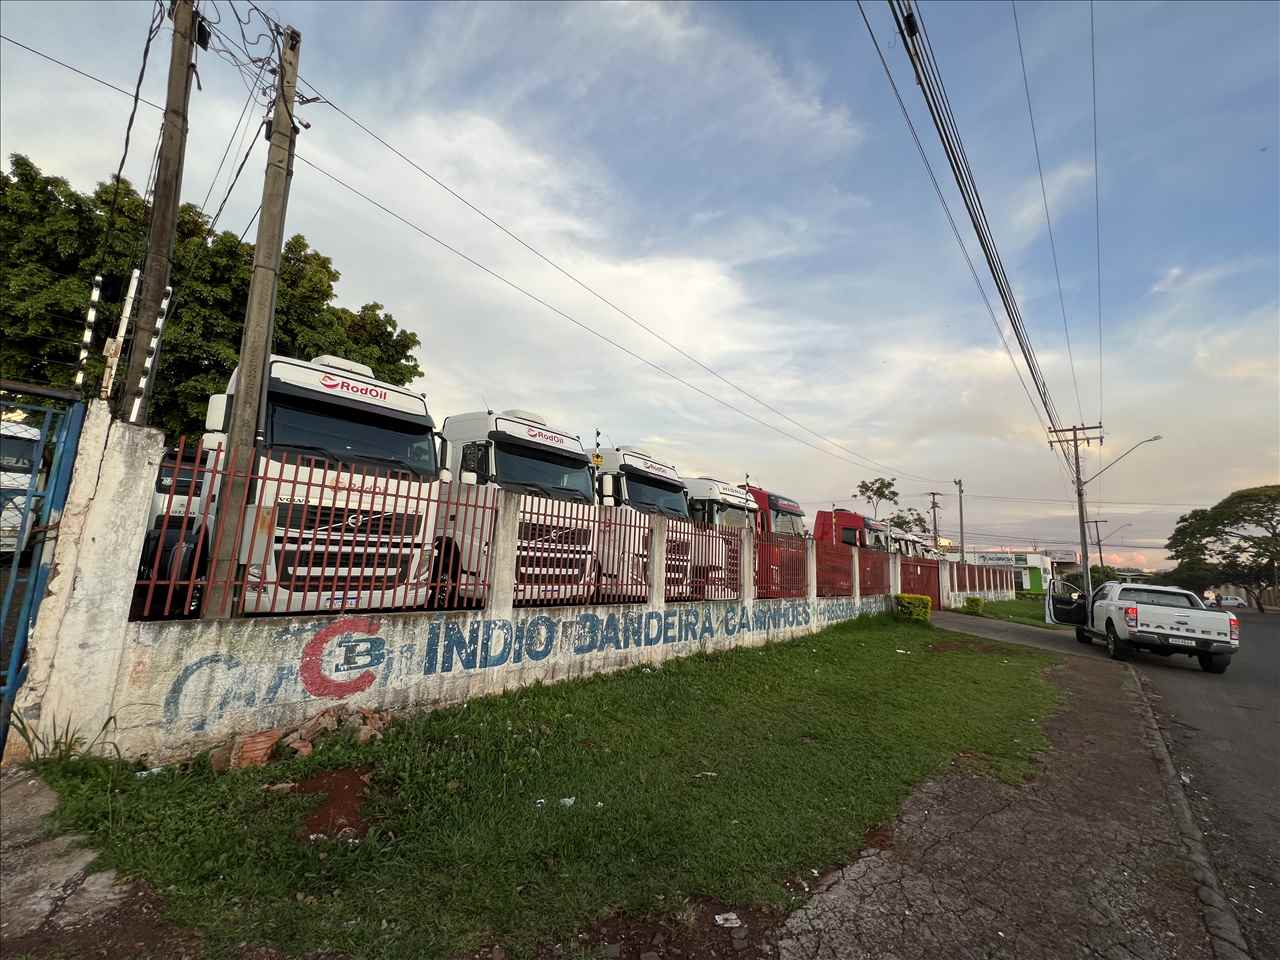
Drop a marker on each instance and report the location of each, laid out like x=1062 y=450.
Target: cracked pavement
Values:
x=1083 y=861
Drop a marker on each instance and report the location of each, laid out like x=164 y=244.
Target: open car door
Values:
x=1065 y=604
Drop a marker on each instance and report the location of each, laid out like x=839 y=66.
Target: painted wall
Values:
x=184 y=686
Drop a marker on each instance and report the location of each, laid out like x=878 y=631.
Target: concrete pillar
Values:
x=944 y=584
x=75 y=652
x=810 y=569
x=657 y=578
x=895 y=574
x=747 y=568
x=502 y=556
x=857 y=576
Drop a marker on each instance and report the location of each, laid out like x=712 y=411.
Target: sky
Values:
x=739 y=179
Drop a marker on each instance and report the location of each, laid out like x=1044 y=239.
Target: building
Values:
x=1032 y=570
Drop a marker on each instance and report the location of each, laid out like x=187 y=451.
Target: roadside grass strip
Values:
x=1024 y=610
x=519 y=819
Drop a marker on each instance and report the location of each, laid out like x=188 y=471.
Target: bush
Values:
x=912 y=607
x=973 y=605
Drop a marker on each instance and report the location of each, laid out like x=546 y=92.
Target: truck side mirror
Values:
x=606 y=489
x=446 y=475
x=218 y=413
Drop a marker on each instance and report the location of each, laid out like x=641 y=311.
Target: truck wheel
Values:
x=1083 y=635
x=1214 y=662
x=1117 y=647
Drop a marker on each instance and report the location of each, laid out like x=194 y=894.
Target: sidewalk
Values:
x=1084 y=861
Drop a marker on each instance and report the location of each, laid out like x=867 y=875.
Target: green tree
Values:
x=50 y=242
x=1195 y=575
x=1239 y=537
x=876 y=492
x=911 y=520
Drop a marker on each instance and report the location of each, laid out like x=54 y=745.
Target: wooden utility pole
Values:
x=165 y=201
x=244 y=432
x=933 y=508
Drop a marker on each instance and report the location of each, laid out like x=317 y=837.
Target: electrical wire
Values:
x=245 y=232
x=87 y=76
x=235 y=132
x=1048 y=221
x=1097 y=206
x=1004 y=499
x=605 y=300
x=563 y=315
x=236 y=179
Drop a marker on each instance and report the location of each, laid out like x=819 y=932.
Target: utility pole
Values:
x=960 y=486
x=164 y=206
x=933 y=508
x=1097 y=539
x=1076 y=435
x=244 y=430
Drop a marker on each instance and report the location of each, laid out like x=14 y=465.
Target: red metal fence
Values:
x=780 y=565
x=835 y=569
x=873 y=573
x=569 y=552
x=920 y=576
x=703 y=562
x=312 y=534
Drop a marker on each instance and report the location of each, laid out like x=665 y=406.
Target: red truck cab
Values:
x=780 y=553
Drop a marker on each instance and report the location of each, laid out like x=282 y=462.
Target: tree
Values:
x=1196 y=575
x=877 y=491
x=50 y=242
x=1238 y=537
x=911 y=520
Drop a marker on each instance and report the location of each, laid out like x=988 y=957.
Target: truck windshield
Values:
x=655 y=497
x=732 y=517
x=787 y=522
x=1157 y=598
x=555 y=476
x=17 y=455
x=347 y=434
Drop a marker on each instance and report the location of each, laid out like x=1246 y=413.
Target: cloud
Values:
x=1063 y=185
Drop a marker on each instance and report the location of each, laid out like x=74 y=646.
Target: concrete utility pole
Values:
x=933 y=508
x=164 y=206
x=960 y=486
x=1075 y=435
x=245 y=429
x=1097 y=539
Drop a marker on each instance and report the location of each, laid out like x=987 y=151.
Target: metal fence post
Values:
x=656 y=575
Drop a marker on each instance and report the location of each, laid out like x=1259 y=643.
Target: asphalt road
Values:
x=1224 y=734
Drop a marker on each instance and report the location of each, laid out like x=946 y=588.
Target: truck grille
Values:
x=551 y=569
x=346 y=520
x=533 y=532
x=304 y=568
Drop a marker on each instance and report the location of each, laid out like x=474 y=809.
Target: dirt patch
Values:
x=951 y=646
x=879 y=837
x=338 y=815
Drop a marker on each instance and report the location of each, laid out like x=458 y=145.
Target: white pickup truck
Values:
x=1139 y=616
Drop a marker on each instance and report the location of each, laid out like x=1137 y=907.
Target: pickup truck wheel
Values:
x=1117 y=647
x=1214 y=662
x=1083 y=635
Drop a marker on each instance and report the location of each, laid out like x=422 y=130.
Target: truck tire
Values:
x=1117 y=647
x=1214 y=662
x=1083 y=635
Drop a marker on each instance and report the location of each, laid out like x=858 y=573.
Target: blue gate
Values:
x=37 y=452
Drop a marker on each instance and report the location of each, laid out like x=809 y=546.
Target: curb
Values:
x=1219 y=919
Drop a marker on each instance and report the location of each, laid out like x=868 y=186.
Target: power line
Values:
x=566 y=316
x=602 y=298
x=955 y=230
x=87 y=76
x=232 y=139
x=1097 y=199
x=1044 y=196
x=236 y=179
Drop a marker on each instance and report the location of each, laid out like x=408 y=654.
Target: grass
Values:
x=1029 y=611
x=810 y=742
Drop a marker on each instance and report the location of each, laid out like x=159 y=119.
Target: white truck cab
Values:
x=720 y=504
x=556 y=550
x=1141 y=616
x=344 y=478
x=632 y=478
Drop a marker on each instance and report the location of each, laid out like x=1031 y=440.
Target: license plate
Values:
x=1183 y=641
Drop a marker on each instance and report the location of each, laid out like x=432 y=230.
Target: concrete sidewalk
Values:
x=1086 y=860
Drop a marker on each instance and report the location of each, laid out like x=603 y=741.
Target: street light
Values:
x=1114 y=532
x=1121 y=457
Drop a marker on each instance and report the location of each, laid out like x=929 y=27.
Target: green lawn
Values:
x=810 y=742
x=1029 y=611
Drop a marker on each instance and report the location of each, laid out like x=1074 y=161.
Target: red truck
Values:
x=780 y=551
x=845 y=526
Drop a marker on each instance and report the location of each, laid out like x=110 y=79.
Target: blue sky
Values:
x=739 y=178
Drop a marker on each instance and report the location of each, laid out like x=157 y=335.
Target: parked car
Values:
x=1132 y=616
x=1232 y=602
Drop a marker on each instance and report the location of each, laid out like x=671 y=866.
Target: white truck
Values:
x=729 y=509
x=1139 y=616
x=20 y=476
x=556 y=550
x=631 y=479
x=341 y=511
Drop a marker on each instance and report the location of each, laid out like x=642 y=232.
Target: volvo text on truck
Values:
x=341 y=506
